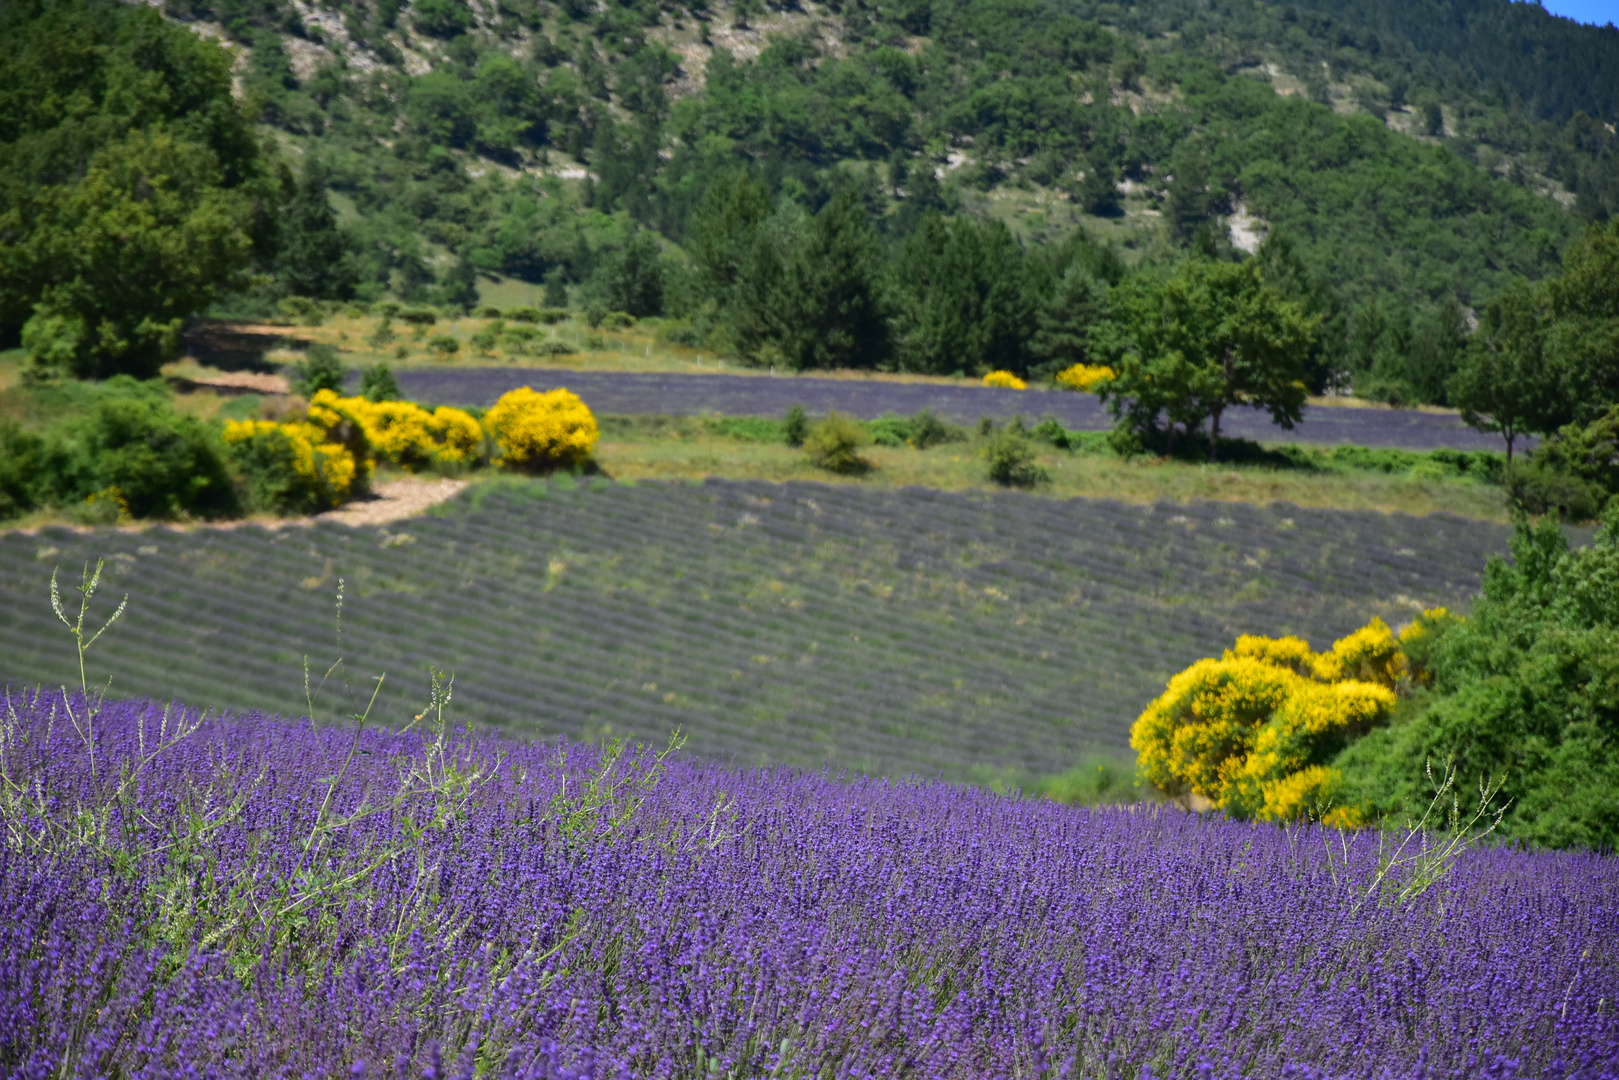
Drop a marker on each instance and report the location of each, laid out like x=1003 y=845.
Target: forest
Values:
x=840 y=185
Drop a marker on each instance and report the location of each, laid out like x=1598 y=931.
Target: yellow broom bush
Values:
x=539 y=431
x=1006 y=380
x=1253 y=731
x=297 y=467
x=1086 y=378
x=402 y=432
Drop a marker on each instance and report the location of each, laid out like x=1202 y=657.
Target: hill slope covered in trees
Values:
x=789 y=179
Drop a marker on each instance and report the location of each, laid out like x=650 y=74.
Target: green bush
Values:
x=682 y=333
x=377 y=383
x=1536 y=487
x=382 y=335
x=756 y=429
x=301 y=310
x=445 y=345
x=269 y=479
x=890 y=429
x=1050 y=431
x=795 y=426
x=1574 y=473
x=319 y=370
x=923 y=430
x=1011 y=459
x=548 y=316
x=834 y=444
x=488 y=312
x=1525 y=691
x=418 y=316
x=24 y=471
x=125 y=448
x=486 y=339
x=164 y=464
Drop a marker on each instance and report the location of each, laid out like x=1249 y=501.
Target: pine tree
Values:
x=1097 y=191
x=964 y=303
x=314 y=258
x=1078 y=303
x=828 y=311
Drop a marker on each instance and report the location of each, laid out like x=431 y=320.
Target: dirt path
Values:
x=394 y=501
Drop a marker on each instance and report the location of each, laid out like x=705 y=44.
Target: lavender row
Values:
x=704 y=921
x=968 y=635
x=765 y=395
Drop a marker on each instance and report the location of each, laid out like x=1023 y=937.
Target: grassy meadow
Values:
x=694 y=448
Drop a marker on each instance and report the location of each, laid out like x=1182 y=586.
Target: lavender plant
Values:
x=802 y=926
x=253 y=897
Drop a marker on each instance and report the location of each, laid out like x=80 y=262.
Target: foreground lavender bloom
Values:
x=550 y=917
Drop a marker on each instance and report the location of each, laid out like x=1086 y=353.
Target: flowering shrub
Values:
x=293 y=467
x=1005 y=379
x=1086 y=378
x=537 y=431
x=403 y=432
x=1253 y=731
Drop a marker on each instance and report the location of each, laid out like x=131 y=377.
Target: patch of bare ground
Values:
x=389 y=501
x=395 y=500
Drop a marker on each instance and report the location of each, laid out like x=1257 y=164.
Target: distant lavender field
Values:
x=530 y=911
x=971 y=635
x=763 y=395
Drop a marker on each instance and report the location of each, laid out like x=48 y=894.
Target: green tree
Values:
x=832 y=291
x=1503 y=384
x=441 y=18
x=1097 y=192
x=810 y=294
x=457 y=286
x=1078 y=303
x=963 y=299
x=132 y=187
x=509 y=111
x=723 y=231
x=632 y=277
x=1582 y=343
x=122 y=256
x=315 y=256
x=1194 y=343
x=441 y=109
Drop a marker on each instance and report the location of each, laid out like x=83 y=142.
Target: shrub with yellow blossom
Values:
x=1253 y=731
x=401 y=432
x=539 y=431
x=1005 y=379
x=1086 y=378
x=294 y=467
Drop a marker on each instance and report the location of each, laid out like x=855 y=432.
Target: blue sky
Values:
x=1587 y=11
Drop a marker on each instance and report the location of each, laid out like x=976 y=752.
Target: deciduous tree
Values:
x=1207 y=337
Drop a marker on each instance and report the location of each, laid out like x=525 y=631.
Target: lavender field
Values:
x=273 y=899
x=978 y=636
x=762 y=395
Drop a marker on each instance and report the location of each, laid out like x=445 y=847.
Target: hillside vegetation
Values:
x=835 y=185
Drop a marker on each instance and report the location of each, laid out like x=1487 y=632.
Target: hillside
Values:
x=1409 y=163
